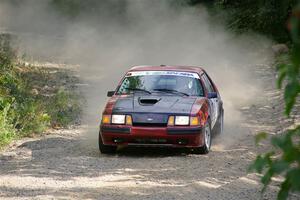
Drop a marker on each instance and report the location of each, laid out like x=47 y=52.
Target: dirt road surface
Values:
x=66 y=165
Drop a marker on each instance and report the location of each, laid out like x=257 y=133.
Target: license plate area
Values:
x=149 y=141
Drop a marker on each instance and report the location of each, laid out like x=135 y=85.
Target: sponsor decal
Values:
x=161 y=73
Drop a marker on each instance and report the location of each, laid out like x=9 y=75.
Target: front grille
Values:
x=150 y=119
x=150 y=124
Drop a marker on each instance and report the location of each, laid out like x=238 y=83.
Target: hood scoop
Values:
x=148 y=101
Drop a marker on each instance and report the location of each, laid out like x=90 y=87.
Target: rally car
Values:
x=173 y=106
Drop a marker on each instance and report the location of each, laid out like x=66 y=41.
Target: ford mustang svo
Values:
x=174 y=106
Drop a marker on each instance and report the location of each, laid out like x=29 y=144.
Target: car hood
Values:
x=169 y=104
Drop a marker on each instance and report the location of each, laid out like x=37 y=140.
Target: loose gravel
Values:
x=67 y=165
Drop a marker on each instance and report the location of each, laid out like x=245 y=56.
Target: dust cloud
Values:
x=140 y=32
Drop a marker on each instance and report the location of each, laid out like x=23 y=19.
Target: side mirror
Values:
x=110 y=93
x=212 y=95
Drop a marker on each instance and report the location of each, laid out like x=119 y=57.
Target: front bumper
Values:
x=152 y=136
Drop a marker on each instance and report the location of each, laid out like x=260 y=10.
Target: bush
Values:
x=285 y=159
x=23 y=110
x=7 y=132
x=266 y=17
x=65 y=108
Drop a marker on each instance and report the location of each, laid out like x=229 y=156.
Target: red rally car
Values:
x=176 y=106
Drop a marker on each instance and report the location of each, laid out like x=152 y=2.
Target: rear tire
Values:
x=106 y=149
x=207 y=141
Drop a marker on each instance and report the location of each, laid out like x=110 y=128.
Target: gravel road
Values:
x=67 y=165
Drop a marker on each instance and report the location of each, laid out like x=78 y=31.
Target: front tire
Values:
x=106 y=149
x=207 y=140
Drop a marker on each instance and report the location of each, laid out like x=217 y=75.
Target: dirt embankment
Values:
x=66 y=165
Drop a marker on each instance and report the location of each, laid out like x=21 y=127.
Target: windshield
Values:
x=150 y=82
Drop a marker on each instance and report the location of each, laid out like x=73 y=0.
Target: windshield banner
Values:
x=161 y=73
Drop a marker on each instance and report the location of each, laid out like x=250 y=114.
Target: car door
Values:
x=214 y=102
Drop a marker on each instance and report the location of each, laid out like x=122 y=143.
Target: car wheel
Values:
x=207 y=141
x=106 y=149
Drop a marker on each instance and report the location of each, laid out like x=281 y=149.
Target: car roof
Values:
x=167 y=68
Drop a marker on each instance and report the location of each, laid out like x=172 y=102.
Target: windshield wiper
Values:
x=171 y=91
x=138 y=89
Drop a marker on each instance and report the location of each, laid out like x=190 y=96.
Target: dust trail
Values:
x=143 y=32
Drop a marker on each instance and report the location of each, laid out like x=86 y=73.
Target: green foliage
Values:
x=287 y=162
x=65 y=108
x=93 y=8
x=260 y=136
x=7 y=131
x=289 y=68
x=289 y=71
x=20 y=113
x=24 y=112
x=285 y=159
x=266 y=17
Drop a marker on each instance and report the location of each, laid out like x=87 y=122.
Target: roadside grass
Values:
x=34 y=99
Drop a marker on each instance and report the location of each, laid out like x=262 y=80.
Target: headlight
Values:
x=118 y=119
x=178 y=120
x=182 y=120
